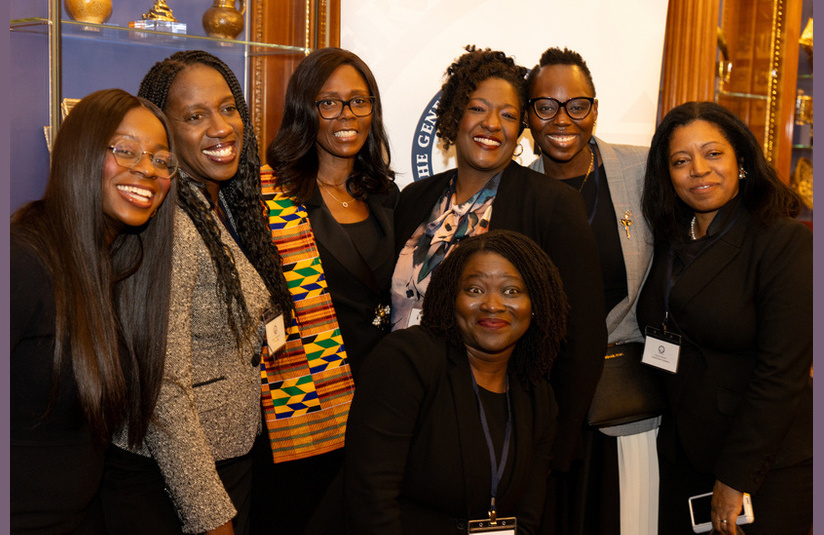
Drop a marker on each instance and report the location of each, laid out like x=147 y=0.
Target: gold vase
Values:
x=222 y=20
x=92 y=11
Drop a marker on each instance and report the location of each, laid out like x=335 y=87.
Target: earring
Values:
x=516 y=154
x=742 y=174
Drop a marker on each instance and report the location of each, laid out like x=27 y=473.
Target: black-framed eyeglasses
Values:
x=546 y=107
x=332 y=108
x=128 y=154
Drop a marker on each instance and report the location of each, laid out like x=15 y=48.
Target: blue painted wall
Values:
x=90 y=62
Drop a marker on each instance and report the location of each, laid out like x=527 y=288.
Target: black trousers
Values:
x=135 y=500
x=286 y=495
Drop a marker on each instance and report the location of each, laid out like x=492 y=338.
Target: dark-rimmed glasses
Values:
x=128 y=154
x=546 y=107
x=332 y=108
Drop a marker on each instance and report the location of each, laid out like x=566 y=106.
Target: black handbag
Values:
x=628 y=390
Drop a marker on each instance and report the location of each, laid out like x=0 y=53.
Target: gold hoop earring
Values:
x=515 y=155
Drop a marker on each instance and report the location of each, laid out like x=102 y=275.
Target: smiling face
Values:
x=208 y=129
x=488 y=130
x=493 y=309
x=345 y=136
x=130 y=197
x=563 y=141
x=703 y=167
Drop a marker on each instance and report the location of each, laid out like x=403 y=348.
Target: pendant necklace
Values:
x=329 y=191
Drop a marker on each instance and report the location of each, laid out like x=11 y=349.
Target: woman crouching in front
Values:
x=453 y=420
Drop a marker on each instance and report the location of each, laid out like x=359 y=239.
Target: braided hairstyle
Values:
x=241 y=196
x=537 y=348
x=463 y=78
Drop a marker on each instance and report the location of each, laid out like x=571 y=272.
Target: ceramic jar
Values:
x=222 y=20
x=92 y=11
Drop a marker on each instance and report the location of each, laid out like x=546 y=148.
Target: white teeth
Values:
x=488 y=142
x=219 y=153
x=346 y=133
x=562 y=139
x=137 y=191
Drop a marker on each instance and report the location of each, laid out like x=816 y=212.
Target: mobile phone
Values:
x=701 y=505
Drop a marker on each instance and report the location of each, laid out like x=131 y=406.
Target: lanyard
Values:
x=670 y=261
x=496 y=468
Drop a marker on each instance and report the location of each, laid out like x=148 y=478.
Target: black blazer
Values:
x=741 y=400
x=416 y=458
x=553 y=215
x=356 y=290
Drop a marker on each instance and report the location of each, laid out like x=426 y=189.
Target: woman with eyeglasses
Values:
x=481 y=112
x=192 y=472
x=561 y=115
x=90 y=276
x=330 y=199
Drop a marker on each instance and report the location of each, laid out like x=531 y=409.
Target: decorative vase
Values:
x=92 y=11
x=222 y=20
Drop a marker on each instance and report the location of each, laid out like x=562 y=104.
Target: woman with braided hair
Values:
x=192 y=474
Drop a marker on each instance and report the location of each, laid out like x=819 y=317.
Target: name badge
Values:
x=661 y=349
x=275 y=334
x=415 y=317
x=499 y=526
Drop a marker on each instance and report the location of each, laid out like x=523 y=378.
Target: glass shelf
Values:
x=803 y=147
x=134 y=36
x=806 y=76
x=733 y=94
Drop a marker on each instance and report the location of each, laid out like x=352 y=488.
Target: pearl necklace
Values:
x=692 y=229
x=329 y=191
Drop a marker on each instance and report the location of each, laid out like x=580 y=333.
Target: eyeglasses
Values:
x=128 y=154
x=332 y=108
x=546 y=108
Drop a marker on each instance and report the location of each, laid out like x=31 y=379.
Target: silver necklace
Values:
x=692 y=229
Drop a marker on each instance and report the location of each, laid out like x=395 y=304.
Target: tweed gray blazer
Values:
x=625 y=166
x=209 y=403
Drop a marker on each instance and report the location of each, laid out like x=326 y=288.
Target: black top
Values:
x=55 y=468
x=552 y=214
x=416 y=457
x=367 y=235
x=607 y=237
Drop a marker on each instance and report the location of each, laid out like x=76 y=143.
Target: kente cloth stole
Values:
x=306 y=386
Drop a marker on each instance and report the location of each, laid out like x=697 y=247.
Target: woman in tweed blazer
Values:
x=193 y=471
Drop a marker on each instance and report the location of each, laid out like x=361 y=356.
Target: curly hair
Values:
x=464 y=76
x=241 y=196
x=557 y=56
x=536 y=350
x=102 y=289
x=762 y=192
x=293 y=154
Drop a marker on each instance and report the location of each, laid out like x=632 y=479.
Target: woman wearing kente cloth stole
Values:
x=330 y=202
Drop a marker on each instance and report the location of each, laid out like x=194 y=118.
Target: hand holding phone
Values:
x=701 y=506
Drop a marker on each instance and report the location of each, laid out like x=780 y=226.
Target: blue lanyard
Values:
x=496 y=468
